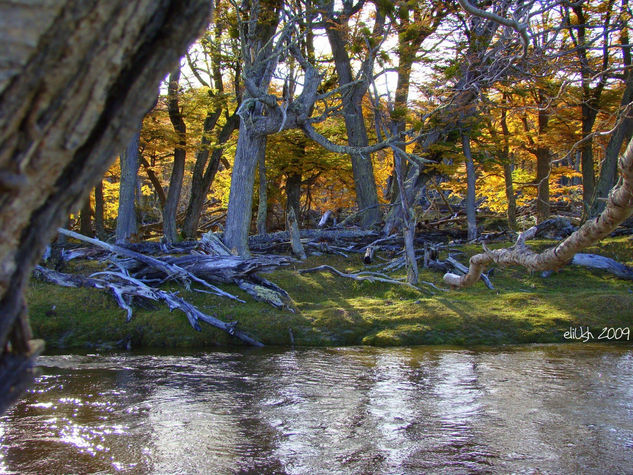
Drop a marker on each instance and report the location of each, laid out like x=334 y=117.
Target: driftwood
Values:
x=593 y=261
x=462 y=269
x=124 y=287
x=220 y=267
x=171 y=271
x=368 y=276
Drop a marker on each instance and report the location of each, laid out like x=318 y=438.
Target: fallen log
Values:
x=124 y=287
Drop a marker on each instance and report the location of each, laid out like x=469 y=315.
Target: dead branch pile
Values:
x=138 y=275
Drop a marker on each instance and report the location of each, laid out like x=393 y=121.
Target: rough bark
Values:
x=126 y=217
x=69 y=99
x=170 y=231
x=619 y=207
x=238 y=218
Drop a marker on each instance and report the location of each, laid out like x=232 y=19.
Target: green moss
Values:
x=524 y=308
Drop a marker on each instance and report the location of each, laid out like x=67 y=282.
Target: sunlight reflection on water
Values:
x=555 y=409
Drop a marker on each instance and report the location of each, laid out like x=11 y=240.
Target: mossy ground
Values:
x=524 y=308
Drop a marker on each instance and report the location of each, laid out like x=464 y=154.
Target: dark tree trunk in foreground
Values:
x=170 y=232
x=126 y=217
x=69 y=100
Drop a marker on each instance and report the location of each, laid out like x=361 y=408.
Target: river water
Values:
x=528 y=409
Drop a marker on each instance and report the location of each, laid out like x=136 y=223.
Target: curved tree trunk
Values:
x=69 y=100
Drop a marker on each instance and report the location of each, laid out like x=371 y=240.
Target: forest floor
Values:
x=335 y=311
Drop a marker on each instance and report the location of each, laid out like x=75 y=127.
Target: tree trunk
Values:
x=622 y=134
x=471 y=183
x=512 y=202
x=543 y=167
x=589 y=113
x=170 y=231
x=158 y=188
x=508 y=166
x=362 y=168
x=69 y=100
x=99 y=225
x=262 y=208
x=85 y=218
x=126 y=217
x=238 y=218
x=293 y=193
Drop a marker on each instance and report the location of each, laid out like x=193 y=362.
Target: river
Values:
x=523 y=409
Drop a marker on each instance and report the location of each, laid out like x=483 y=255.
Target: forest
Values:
x=290 y=129
x=392 y=116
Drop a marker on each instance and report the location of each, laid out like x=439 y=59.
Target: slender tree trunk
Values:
x=126 y=217
x=508 y=165
x=543 y=167
x=262 y=208
x=238 y=218
x=170 y=210
x=471 y=181
x=408 y=222
x=589 y=113
x=99 y=225
x=85 y=221
x=512 y=202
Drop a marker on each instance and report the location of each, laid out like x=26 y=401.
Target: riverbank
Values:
x=334 y=311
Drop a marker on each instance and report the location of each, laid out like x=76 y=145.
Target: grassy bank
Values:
x=524 y=308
